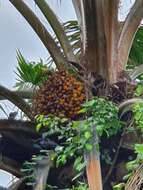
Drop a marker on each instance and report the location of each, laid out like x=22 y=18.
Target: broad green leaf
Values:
x=38 y=127
x=139 y=148
x=87 y=135
x=89 y=147
x=119 y=186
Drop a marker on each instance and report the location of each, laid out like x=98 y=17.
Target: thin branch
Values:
x=42 y=32
x=16 y=100
x=57 y=28
x=128 y=31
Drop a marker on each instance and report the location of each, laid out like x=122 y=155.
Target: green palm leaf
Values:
x=29 y=73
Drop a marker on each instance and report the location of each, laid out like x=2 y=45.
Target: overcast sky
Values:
x=15 y=34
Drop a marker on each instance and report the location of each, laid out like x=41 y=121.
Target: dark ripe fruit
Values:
x=61 y=94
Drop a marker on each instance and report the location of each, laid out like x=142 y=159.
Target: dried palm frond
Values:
x=136 y=181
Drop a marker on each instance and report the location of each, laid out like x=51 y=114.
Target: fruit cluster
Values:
x=62 y=95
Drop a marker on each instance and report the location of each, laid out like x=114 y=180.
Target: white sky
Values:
x=15 y=34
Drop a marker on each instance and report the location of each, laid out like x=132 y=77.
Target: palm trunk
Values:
x=93 y=168
x=99 y=41
x=93 y=171
x=99 y=28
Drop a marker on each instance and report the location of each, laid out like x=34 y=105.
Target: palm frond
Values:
x=72 y=31
x=42 y=32
x=29 y=73
x=57 y=28
x=136 y=54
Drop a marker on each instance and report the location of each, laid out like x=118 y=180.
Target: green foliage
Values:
x=28 y=170
x=29 y=167
x=82 y=186
x=29 y=73
x=100 y=115
x=76 y=137
x=138 y=115
x=138 y=120
x=139 y=89
x=139 y=149
x=136 y=55
x=134 y=164
x=119 y=186
x=141 y=77
x=131 y=166
x=103 y=115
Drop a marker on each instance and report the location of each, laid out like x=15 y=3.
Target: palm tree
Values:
x=105 y=48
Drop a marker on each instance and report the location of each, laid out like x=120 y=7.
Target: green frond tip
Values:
x=30 y=73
